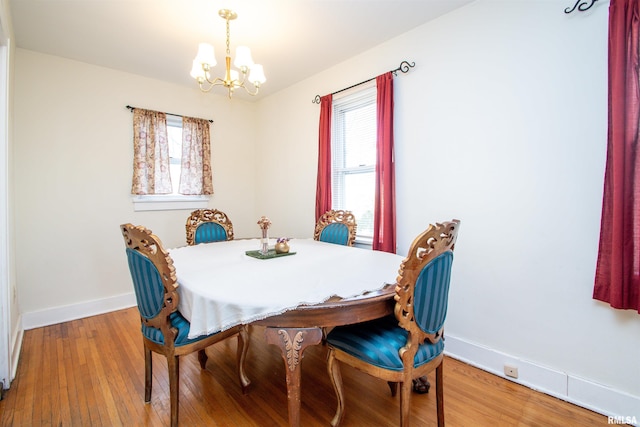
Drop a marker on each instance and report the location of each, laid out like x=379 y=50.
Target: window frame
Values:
x=363 y=96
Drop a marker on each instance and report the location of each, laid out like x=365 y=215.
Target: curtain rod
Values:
x=404 y=67
x=171 y=114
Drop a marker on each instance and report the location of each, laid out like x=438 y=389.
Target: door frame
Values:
x=5 y=300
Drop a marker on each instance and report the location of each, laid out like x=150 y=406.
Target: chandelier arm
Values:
x=217 y=82
x=254 y=93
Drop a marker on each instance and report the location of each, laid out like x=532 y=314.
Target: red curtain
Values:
x=323 y=186
x=384 y=217
x=617 y=280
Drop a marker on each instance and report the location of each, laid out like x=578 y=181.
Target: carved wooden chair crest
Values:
x=164 y=329
x=208 y=225
x=336 y=226
x=408 y=344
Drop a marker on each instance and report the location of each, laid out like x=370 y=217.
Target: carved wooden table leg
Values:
x=292 y=342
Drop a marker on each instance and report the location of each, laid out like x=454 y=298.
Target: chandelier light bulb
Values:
x=197 y=72
x=243 y=57
x=256 y=76
x=206 y=55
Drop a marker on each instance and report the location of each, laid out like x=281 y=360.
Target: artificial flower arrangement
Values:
x=264 y=224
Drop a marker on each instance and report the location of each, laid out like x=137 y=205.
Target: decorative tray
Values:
x=271 y=254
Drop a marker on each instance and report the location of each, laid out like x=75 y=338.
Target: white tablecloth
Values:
x=220 y=286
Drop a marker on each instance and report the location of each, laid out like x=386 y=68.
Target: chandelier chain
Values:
x=228 y=37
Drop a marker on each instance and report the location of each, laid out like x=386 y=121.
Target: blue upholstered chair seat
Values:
x=377 y=342
x=178 y=322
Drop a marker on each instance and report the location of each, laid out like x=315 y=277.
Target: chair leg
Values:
x=148 y=374
x=243 y=348
x=336 y=380
x=394 y=388
x=202 y=358
x=405 y=402
x=173 y=362
x=440 y=395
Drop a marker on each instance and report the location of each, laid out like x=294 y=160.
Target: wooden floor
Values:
x=90 y=372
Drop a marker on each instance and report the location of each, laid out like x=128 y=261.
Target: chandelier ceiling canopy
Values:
x=248 y=70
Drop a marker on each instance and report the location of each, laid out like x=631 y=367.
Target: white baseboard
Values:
x=587 y=394
x=52 y=316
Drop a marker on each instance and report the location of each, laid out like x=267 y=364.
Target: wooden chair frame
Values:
x=426 y=247
x=337 y=216
x=142 y=240
x=201 y=216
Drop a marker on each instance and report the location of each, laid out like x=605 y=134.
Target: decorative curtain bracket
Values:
x=581 y=5
x=405 y=66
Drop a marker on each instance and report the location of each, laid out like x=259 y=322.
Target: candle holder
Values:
x=264 y=224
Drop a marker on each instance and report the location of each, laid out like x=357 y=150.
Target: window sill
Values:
x=168 y=203
x=363 y=242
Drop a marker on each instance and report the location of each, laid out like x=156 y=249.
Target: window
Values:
x=353 y=148
x=174 y=194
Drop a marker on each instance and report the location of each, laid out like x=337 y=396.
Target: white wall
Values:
x=73 y=164
x=501 y=124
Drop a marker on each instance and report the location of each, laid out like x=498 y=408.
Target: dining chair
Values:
x=336 y=226
x=164 y=329
x=409 y=343
x=208 y=225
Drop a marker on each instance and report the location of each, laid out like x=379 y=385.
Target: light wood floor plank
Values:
x=90 y=372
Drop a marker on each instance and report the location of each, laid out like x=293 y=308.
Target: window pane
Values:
x=359 y=192
x=174 y=136
x=360 y=136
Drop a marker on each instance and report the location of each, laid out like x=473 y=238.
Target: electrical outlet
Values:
x=511 y=371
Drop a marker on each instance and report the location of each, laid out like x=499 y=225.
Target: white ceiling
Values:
x=292 y=39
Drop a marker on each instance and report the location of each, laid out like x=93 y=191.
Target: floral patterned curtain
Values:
x=195 y=171
x=151 y=173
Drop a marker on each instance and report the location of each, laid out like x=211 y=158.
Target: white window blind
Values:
x=353 y=147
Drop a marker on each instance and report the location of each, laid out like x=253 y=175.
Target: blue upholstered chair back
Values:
x=210 y=232
x=146 y=283
x=335 y=233
x=431 y=293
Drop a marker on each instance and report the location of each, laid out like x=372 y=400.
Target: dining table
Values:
x=295 y=295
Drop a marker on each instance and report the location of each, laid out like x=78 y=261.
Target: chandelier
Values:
x=205 y=60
